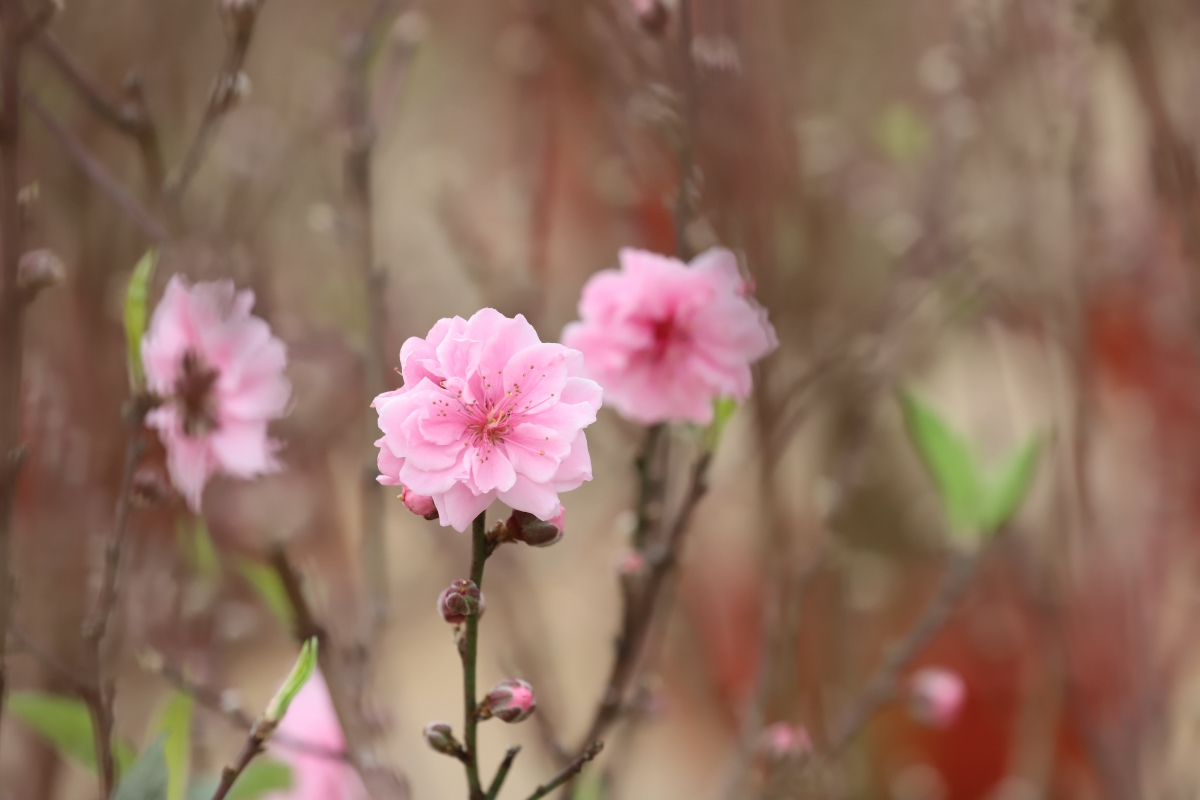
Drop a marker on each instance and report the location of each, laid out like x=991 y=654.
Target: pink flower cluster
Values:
x=665 y=339
x=218 y=372
x=487 y=411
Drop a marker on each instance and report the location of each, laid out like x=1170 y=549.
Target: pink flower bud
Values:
x=784 y=740
x=419 y=504
x=510 y=700
x=440 y=738
x=652 y=14
x=459 y=600
x=936 y=696
x=630 y=563
x=525 y=527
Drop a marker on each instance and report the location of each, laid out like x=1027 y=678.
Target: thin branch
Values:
x=880 y=688
x=685 y=199
x=11 y=311
x=256 y=743
x=381 y=782
x=502 y=772
x=468 y=648
x=99 y=174
x=568 y=772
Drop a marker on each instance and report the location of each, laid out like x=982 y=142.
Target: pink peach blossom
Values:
x=665 y=339
x=936 y=696
x=487 y=411
x=218 y=371
x=316 y=776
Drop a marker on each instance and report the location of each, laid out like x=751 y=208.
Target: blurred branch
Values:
x=685 y=199
x=568 y=772
x=502 y=772
x=240 y=18
x=104 y=180
x=880 y=688
x=132 y=119
x=256 y=743
x=382 y=783
x=11 y=312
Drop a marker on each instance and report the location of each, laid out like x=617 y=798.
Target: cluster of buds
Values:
x=783 y=741
x=440 y=738
x=935 y=696
x=509 y=700
x=459 y=600
x=522 y=526
x=419 y=504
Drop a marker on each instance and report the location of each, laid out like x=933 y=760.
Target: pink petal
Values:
x=459 y=506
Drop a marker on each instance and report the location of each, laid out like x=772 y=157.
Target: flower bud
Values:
x=459 y=600
x=38 y=270
x=783 y=741
x=651 y=15
x=239 y=15
x=525 y=527
x=630 y=563
x=936 y=696
x=440 y=738
x=419 y=504
x=509 y=700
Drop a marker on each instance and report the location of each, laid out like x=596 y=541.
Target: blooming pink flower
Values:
x=487 y=411
x=936 y=696
x=219 y=373
x=665 y=339
x=316 y=776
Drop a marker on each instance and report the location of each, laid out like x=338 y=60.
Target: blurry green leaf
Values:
x=589 y=786
x=302 y=670
x=1008 y=487
x=269 y=587
x=197 y=547
x=135 y=315
x=147 y=778
x=262 y=776
x=950 y=463
x=902 y=134
x=62 y=721
x=175 y=723
x=723 y=408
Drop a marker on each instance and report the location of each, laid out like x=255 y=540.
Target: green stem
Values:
x=468 y=647
x=502 y=772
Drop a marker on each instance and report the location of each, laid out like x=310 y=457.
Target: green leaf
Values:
x=1008 y=486
x=949 y=461
x=147 y=779
x=175 y=723
x=270 y=589
x=723 y=408
x=261 y=776
x=197 y=547
x=902 y=134
x=302 y=670
x=62 y=721
x=135 y=315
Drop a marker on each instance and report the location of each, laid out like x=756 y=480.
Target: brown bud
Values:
x=38 y=270
x=461 y=599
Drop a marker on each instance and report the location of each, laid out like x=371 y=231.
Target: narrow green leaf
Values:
x=723 y=408
x=949 y=461
x=302 y=670
x=175 y=723
x=1007 y=488
x=270 y=589
x=62 y=721
x=136 y=296
x=147 y=779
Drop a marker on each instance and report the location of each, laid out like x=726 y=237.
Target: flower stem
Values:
x=467 y=648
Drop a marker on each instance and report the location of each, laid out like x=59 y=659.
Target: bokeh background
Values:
x=990 y=202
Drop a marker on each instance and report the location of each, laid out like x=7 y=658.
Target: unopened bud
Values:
x=440 y=738
x=419 y=504
x=459 y=600
x=509 y=700
x=783 y=741
x=936 y=696
x=149 y=487
x=525 y=527
x=38 y=270
x=239 y=15
x=652 y=15
x=631 y=563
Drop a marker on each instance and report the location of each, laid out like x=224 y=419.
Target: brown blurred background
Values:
x=992 y=201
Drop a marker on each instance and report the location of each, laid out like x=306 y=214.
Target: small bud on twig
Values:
x=419 y=504
x=239 y=15
x=461 y=599
x=37 y=270
x=509 y=700
x=525 y=527
x=440 y=738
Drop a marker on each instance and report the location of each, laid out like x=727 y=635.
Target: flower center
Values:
x=195 y=396
x=666 y=335
x=492 y=426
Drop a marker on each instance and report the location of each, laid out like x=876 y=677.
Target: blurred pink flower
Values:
x=316 y=776
x=219 y=373
x=784 y=740
x=936 y=696
x=487 y=411
x=665 y=339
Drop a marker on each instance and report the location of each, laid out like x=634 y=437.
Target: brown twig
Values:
x=131 y=119
x=255 y=744
x=11 y=309
x=568 y=772
x=104 y=180
x=684 y=199
x=502 y=772
x=381 y=782
x=880 y=688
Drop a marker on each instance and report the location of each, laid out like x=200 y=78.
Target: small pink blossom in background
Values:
x=418 y=504
x=665 y=339
x=784 y=740
x=219 y=373
x=630 y=563
x=936 y=696
x=487 y=412
x=311 y=718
